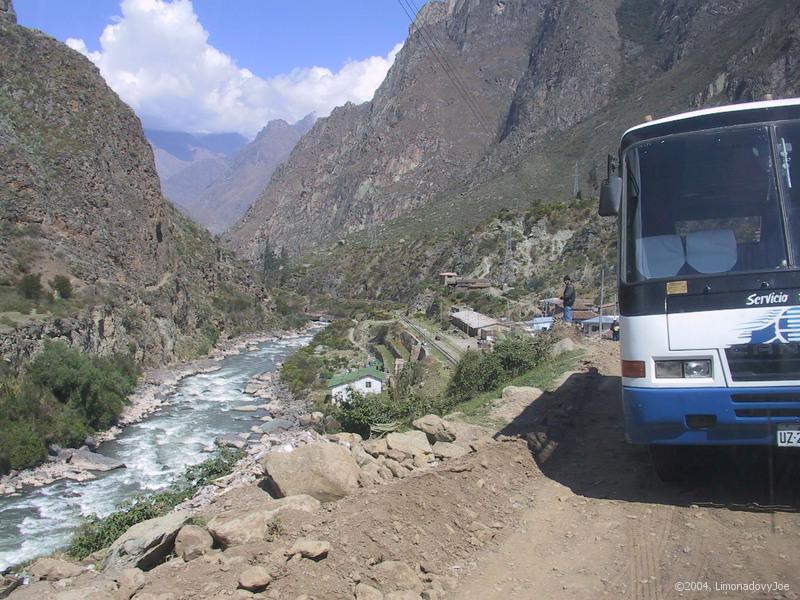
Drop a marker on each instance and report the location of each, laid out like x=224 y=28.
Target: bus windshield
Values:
x=703 y=203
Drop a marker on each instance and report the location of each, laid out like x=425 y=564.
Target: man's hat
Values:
x=567 y=278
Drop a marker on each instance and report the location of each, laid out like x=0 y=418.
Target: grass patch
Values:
x=542 y=376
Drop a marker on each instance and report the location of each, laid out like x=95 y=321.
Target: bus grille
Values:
x=764 y=362
x=768 y=412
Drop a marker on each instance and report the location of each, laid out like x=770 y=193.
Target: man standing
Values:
x=568 y=298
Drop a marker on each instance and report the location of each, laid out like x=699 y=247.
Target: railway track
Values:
x=423 y=335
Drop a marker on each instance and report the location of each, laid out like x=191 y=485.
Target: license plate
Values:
x=788 y=436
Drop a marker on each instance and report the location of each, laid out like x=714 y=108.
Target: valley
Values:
x=247 y=353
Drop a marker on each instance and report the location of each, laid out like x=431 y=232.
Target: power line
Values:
x=455 y=73
x=451 y=75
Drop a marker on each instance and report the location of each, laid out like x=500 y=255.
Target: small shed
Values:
x=539 y=323
x=448 y=278
x=597 y=324
x=363 y=381
x=471 y=322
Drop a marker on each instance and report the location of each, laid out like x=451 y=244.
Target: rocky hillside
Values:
x=520 y=251
x=80 y=199
x=224 y=200
x=548 y=87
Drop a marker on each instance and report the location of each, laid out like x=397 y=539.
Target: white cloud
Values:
x=158 y=59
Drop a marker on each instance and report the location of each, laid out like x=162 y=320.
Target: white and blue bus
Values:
x=708 y=204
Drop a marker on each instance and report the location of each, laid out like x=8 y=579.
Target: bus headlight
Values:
x=679 y=369
x=697 y=368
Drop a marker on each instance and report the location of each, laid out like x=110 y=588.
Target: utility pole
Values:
x=602 y=295
x=575 y=185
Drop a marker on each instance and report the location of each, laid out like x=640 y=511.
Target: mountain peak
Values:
x=7 y=14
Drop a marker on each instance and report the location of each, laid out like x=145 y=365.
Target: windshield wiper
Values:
x=784 y=153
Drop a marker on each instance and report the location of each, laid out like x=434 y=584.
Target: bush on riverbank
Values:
x=96 y=534
x=63 y=397
x=478 y=372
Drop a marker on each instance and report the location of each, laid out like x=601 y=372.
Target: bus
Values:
x=708 y=210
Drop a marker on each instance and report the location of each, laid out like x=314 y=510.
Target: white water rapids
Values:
x=155 y=451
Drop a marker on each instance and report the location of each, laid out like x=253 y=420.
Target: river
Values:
x=155 y=451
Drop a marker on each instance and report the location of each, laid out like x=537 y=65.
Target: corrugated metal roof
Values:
x=474 y=320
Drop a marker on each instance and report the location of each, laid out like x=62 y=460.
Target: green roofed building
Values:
x=363 y=381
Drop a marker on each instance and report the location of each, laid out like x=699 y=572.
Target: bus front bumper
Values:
x=708 y=416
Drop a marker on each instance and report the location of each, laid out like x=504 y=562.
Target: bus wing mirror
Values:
x=610 y=196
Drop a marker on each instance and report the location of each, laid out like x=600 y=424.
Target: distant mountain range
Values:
x=214 y=178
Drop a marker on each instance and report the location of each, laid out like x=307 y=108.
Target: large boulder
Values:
x=146 y=544
x=562 y=346
x=410 y=442
x=92 y=461
x=325 y=471
x=244 y=526
x=54 y=569
x=435 y=428
x=192 y=542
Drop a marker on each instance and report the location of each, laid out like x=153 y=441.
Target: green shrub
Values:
x=361 y=411
x=30 y=286
x=62 y=398
x=62 y=285
x=478 y=372
x=20 y=447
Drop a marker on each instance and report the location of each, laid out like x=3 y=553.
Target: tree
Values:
x=30 y=286
x=62 y=285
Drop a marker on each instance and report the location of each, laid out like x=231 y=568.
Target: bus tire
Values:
x=667 y=463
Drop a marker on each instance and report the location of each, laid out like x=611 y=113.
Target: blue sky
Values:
x=266 y=36
x=214 y=65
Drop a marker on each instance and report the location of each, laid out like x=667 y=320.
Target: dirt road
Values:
x=602 y=524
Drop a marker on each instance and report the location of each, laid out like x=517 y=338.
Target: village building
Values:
x=472 y=323
x=598 y=324
x=361 y=381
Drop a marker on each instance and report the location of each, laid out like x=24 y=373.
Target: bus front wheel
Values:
x=667 y=462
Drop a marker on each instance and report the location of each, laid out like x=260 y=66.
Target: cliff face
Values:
x=548 y=84
x=79 y=197
x=370 y=163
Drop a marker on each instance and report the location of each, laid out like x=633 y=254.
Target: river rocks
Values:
x=54 y=569
x=447 y=450
x=92 y=461
x=252 y=525
x=410 y=442
x=307 y=548
x=146 y=544
x=325 y=471
x=375 y=447
x=254 y=579
x=435 y=428
x=192 y=541
x=231 y=441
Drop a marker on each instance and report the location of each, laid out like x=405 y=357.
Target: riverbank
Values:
x=153 y=391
